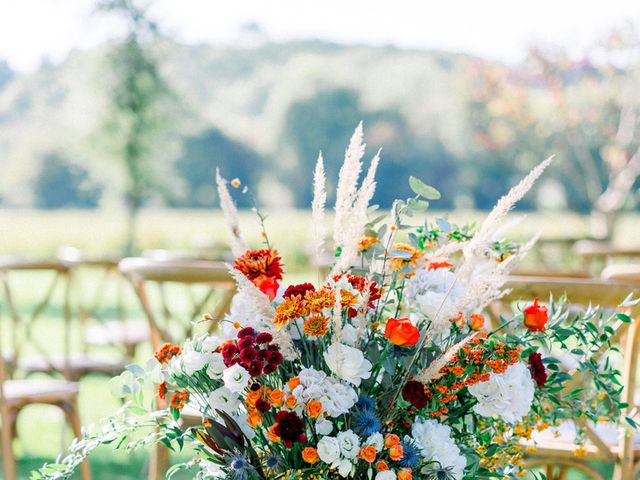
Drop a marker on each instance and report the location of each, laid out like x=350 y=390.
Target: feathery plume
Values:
x=238 y=245
x=336 y=318
x=319 y=231
x=347 y=189
x=432 y=372
x=260 y=301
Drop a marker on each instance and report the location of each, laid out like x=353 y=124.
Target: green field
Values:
x=36 y=233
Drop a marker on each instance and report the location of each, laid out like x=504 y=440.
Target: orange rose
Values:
x=293 y=383
x=401 y=332
x=368 y=453
x=314 y=408
x=252 y=397
x=276 y=398
x=310 y=455
x=535 y=316
x=405 y=474
x=272 y=434
x=291 y=401
x=396 y=453
x=391 y=439
x=254 y=419
x=381 y=466
x=476 y=321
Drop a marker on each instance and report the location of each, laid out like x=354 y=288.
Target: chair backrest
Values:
x=213 y=276
x=22 y=318
x=606 y=293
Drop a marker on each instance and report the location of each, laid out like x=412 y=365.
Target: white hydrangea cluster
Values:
x=434 y=441
x=508 y=395
x=430 y=291
x=336 y=398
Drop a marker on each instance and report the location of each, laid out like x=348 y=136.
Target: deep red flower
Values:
x=246 y=342
x=535 y=316
x=269 y=368
x=229 y=350
x=414 y=393
x=264 y=337
x=300 y=289
x=246 y=331
x=262 y=405
x=255 y=368
x=538 y=372
x=275 y=358
x=248 y=354
x=290 y=428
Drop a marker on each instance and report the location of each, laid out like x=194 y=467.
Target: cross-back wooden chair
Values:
x=100 y=304
x=15 y=394
x=555 y=448
x=72 y=364
x=165 y=324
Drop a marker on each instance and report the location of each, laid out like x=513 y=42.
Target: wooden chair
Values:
x=73 y=365
x=97 y=287
x=212 y=276
x=606 y=442
x=15 y=394
x=599 y=254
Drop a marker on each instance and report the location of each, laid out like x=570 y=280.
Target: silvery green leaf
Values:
x=425 y=191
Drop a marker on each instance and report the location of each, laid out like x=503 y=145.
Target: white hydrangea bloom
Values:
x=430 y=291
x=335 y=397
x=434 y=441
x=347 y=363
x=508 y=395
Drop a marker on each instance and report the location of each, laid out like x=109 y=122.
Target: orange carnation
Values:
x=276 y=398
x=476 y=321
x=391 y=439
x=405 y=474
x=310 y=455
x=368 y=453
x=401 y=332
x=396 y=453
x=314 y=408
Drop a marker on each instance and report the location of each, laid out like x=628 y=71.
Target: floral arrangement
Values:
x=389 y=368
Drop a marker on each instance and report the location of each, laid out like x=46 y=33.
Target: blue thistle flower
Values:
x=409 y=454
x=366 y=423
x=365 y=403
x=241 y=468
x=272 y=461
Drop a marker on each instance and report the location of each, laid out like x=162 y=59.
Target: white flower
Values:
x=386 y=475
x=345 y=467
x=323 y=426
x=435 y=444
x=376 y=440
x=210 y=343
x=336 y=398
x=508 y=395
x=347 y=363
x=329 y=451
x=349 y=444
x=235 y=378
x=349 y=335
x=243 y=311
x=193 y=361
x=224 y=399
x=430 y=291
x=216 y=366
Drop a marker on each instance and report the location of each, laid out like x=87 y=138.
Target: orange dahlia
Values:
x=254 y=263
x=316 y=326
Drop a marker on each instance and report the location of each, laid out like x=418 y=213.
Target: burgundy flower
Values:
x=262 y=405
x=229 y=350
x=538 y=372
x=263 y=337
x=254 y=387
x=246 y=342
x=290 y=428
x=255 y=368
x=275 y=358
x=245 y=332
x=248 y=354
x=413 y=392
x=269 y=368
x=300 y=289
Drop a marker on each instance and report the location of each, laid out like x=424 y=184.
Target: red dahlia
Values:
x=254 y=263
x=413 y=392
x=301 y=289
x=538 y=372
x=290 y=428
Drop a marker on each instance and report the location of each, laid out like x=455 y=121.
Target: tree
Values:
x=200 y=157
x=62 y=184
x=135 y=119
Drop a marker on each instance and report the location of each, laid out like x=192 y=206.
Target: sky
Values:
x=31 y=30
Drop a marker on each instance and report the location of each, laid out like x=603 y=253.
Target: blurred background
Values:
x=114 y=115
